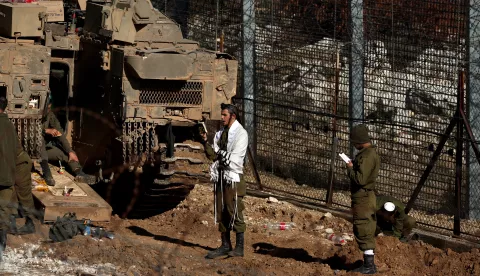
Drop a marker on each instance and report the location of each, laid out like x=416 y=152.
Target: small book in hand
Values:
x=345 y=157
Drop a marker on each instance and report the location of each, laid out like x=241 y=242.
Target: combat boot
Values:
x=368 y=266
x=238 y=251
x=80 y=176
x=28 y=228
x=47 y=174
x=12 y=227
x=223 y=249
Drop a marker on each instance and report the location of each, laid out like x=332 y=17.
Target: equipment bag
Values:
x=66 y=228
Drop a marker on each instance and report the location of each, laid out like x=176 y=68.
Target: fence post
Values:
x=356 y=74
x=473 y=106
x=248 y=67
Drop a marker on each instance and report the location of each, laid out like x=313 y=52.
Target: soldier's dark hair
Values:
x=231 y=109
x=3 y=103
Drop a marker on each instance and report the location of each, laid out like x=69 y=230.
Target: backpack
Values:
x=66 y=228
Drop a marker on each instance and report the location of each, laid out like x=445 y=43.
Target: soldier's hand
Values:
x=350 y=164
x=72 y=157
x=53 y=132
x=204 y=136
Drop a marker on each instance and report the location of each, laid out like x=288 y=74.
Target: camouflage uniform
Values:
x=23 y=192
x=8 y=159
x=23 y=182
x=57 y=148
x=396 y=223
x=363 y=175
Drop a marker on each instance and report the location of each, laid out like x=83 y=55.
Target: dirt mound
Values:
x=175 y=243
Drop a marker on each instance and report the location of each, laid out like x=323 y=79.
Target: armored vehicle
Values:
x=128 y=89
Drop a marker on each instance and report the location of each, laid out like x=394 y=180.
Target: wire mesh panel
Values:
x=413 y=52
x=296 y=59
x=172 y=93
x=398 y=61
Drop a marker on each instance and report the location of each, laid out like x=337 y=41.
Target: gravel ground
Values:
x=175 y=243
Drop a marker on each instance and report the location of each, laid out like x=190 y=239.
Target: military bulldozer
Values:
x=128 y=89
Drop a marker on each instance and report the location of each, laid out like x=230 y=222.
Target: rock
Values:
x=319 y=227
x=204 y=222
x=449 y=252
x=329 y=231
x=271 y=199
x=475 y=251
x=132 y=271
x=347 y=237
x=327 y=215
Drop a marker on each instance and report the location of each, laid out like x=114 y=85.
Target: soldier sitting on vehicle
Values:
x=56 y=148
x=391 y=218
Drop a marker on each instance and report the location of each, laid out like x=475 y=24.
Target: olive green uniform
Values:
x=225 y=215
x=399 y=225
x=8 y=159
x=363 y=175
x=57 y=148
x=23 y=184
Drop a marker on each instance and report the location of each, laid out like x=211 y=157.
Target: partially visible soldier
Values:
x=57 y=148
x=363 y=172
x=391 y=218
x=228 y=152
x=8 y=159
x=23 y=193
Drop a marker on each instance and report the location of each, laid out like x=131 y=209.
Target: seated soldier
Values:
x=56 y=148
x=391 y=218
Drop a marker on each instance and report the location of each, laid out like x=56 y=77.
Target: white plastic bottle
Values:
x=280 y=225
x=337 y=239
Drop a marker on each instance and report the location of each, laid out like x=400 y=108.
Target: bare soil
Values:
x=176 y=242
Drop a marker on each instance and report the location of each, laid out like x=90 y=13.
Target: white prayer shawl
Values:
x=235 y=154
x=236 y=149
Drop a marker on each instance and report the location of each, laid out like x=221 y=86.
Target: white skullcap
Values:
x=389 y=206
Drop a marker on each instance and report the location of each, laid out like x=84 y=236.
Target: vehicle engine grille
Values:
x=173 y=94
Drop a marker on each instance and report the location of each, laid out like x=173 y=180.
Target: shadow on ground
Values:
x=299 y=254
x=142 y=232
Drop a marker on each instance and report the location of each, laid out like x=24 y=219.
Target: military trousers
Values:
x=5 y=197
x=364 y=219
x=54 y=154
x=229 y=206
x=408 y=224
x=22 y=195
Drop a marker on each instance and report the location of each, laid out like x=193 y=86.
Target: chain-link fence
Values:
x=309 y=70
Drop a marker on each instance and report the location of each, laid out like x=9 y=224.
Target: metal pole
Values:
x=356 y=73
x=458 y=159
x=217 y=10
x=473 y=107
x=430 y=165
x=331 y=177
x=248 y=70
